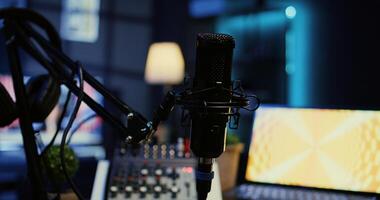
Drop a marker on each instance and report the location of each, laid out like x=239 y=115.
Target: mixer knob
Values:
x=169 y=171
x=146 y=147
x=114 y=189
x=144 y=171
x=157 y=191
x=155 y=151
x=180 y=147
x=163 y=151
x=146 y=151
x=143 y=189
x=157 y=188
x=174 y=190
x=158 y=172
x=172 y=152
x=128 y=191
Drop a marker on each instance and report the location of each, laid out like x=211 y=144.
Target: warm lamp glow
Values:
x=164 y=64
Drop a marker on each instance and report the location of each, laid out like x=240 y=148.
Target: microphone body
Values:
x=211 y=84
x=213 y=69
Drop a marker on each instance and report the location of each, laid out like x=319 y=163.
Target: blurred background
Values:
x=309 y=53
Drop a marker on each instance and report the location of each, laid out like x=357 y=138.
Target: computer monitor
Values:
x=319 y=148
x=90 y=133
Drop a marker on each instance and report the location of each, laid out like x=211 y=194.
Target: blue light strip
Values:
x=297 y=60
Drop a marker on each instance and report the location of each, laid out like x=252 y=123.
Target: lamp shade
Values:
x=164 y=64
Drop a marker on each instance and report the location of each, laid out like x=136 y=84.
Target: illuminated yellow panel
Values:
x=323 y=148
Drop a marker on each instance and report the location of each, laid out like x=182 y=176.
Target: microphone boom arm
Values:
x=20 y=34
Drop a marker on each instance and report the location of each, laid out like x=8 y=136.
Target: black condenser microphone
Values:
x=212 y=101
x=211 y=87
x=213 y=70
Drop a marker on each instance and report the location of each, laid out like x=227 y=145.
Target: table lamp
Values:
x=165 y=64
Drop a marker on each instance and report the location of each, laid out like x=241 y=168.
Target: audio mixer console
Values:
x=152 y=172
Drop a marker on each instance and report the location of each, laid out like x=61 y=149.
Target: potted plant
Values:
x=228 y=162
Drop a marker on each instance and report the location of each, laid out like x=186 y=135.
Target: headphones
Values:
x=42 y=91
x=43 y=94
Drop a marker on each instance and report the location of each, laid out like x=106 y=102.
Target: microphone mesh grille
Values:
x=217 y=69
x=214 y=59
x=218 y=39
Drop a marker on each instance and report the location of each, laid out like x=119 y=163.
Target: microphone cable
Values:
x=66 y=131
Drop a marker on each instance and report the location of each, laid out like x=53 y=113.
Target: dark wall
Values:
x=345 y=62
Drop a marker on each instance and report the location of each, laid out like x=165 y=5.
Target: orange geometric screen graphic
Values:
x=322 y=148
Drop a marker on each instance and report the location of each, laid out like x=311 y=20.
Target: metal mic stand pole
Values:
x=30 y=147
